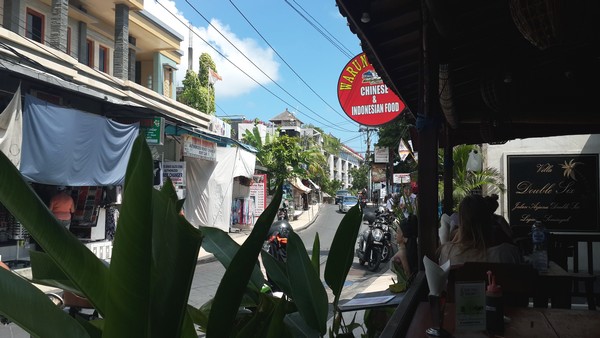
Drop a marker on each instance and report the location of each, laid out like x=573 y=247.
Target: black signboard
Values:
x=559 y=190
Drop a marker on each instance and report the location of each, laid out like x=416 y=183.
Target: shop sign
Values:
x=561 y=191
x=363 y=95
x=382 y=155
x=401 y=178
x=175 y=171
x=153 y=128
x=378 y=172
x=258 y=193
x=219 y=127
x=199 y=148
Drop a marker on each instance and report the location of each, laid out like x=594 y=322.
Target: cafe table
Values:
x=519 y=322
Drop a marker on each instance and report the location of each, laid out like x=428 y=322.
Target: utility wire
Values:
x=257 y=67
x=286 y=63
x=327 y=36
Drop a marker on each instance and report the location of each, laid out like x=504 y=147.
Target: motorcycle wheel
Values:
x=387 y=253
x=361 y=261
x=375 y=259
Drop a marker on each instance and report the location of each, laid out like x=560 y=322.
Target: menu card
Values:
x=470 y=306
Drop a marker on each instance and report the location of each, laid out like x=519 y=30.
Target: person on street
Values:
x=408 y=202
x=62 y=206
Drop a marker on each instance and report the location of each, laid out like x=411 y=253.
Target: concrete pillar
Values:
x=121 y=55
x=82 y=43
x=10 y=21
x=58 y=24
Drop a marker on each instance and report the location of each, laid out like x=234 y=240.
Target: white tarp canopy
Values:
x=210 y=184
x=297 y=183
x=11 y=126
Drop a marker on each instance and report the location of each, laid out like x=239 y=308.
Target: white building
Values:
x=289 y=124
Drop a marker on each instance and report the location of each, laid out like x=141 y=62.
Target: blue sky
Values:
x=302 y=65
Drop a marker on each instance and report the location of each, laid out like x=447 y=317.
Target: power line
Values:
x=284 y=61
x=245 y=56
x=329 y=37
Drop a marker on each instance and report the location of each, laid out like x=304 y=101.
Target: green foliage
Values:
x=305 y=311
x=137 y=293
x=285 y=158
x=360 y=177
x=198 y=92
x=464 y=182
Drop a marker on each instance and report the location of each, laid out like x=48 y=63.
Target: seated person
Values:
x=406 y=259
x=498 y=220
x=448 y=227
x=476 y=240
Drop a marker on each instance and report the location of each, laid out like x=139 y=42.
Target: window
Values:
x=90 y=53
x=68 y=40
x=34 y=28
x=103 y=59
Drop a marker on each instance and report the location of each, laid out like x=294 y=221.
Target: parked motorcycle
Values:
x=374 y=245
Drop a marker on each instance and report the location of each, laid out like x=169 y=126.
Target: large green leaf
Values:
x=307 y=289
x=30 y=308
x=277 y=271
x=316 y=254
x=45 y=272
x=128 y=304
x=298 y=327
x=220 y=244
x=78 y=263
x=233 y=284
x=341 y=253
x=175 y=247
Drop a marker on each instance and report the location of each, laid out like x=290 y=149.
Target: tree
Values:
x=253 y=138
x=198 y=92
x=360 y=177
x=463 y=181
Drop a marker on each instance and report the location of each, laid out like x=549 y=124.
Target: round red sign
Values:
x=363 y=95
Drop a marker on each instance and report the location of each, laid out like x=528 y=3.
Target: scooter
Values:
x=374 y=245
x=276 y=245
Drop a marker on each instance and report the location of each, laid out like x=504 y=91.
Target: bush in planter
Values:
x=144 y=292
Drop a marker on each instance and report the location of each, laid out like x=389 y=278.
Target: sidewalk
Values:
x=302 y=222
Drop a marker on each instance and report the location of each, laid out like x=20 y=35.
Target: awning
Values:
x=297 y=183
x=314 y=184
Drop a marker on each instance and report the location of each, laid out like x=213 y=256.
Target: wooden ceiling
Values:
x=506 y=69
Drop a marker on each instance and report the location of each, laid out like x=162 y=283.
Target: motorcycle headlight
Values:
x=377 y=234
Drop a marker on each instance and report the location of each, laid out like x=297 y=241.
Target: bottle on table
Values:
x=539 y=239
x=494 y=306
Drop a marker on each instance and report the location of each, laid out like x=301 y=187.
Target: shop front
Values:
x=84 y=152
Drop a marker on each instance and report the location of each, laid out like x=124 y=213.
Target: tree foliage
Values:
x=463 y=181
x=360 y=177
x=198 y=92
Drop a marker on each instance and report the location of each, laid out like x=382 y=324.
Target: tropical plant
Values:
x=198 y=92
x=138 y=293
x=360 y=177
x=464 y=181
x=145 y=289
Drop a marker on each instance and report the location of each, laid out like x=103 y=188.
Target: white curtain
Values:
x=210 y=184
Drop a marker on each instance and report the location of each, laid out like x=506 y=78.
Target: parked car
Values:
x=347 y=203
x=341 y=194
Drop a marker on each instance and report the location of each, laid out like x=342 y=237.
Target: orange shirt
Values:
x=62 y=206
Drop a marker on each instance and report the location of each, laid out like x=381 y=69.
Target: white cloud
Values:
x=235 y=82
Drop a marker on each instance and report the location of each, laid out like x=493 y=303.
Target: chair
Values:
x=561 y=246
x=516 y=280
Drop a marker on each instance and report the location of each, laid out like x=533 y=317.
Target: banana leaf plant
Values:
x=144 y=290
x=304 y=307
